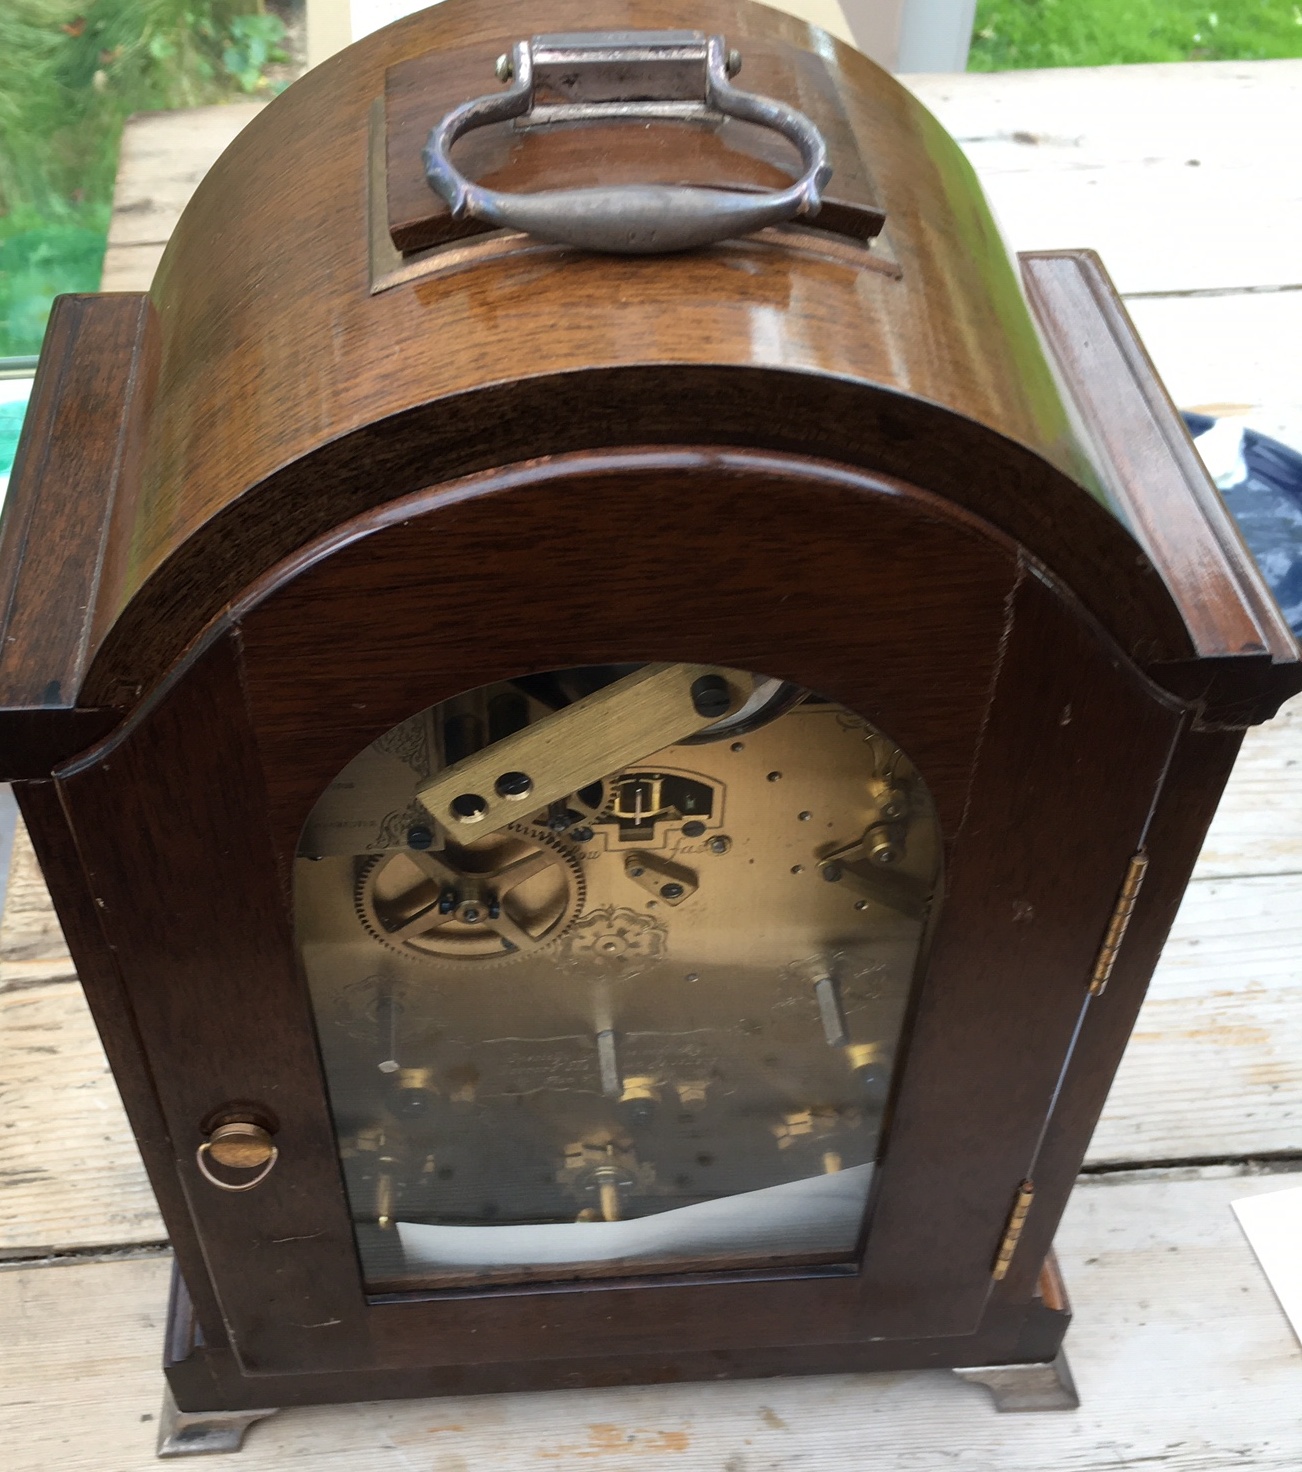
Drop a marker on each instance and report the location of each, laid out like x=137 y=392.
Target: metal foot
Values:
x=194 y=1433
x=1043 y=1387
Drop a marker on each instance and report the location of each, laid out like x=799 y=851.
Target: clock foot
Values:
x=194 y=1433
x=1034 y=1387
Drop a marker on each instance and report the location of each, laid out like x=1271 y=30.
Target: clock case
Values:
x=340 y=464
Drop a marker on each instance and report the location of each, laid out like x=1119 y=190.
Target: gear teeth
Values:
x=541 y=838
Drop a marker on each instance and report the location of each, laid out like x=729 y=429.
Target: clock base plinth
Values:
x=1045 y=1386
x=206 y=1377
x=200 y=1433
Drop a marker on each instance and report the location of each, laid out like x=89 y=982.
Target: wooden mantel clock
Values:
x=616 y=716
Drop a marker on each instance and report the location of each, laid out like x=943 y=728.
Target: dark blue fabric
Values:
x=1267 y=505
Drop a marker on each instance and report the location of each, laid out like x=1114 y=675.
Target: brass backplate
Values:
x=677 y=978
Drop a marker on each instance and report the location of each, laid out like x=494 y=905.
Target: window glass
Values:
x=15 y=389
x=644 y=1023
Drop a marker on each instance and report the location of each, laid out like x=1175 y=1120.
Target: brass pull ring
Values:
x=240 y=1146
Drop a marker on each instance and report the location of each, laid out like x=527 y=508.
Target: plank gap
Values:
x=29 y=983
x=79 y=1256
x=1233 y=878
x=1263 y=1163
x=1200 y=291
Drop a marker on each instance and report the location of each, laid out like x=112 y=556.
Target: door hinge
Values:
x=1013 y=1231
x=1117 y=925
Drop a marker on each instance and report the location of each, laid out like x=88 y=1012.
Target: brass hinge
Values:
x=1013 y=1231
x=1117 y=925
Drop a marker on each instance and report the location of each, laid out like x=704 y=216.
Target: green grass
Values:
x=1041 y=33
x=39 y=258
x=71 y=73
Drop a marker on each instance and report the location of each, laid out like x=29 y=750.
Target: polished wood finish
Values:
x=931 y=370
x=100 y=975
x=797 y=412
x=231 y=325
x=302 y=503
x=791 y=352
x=945 y=646
x=204 y=1376
x=78 y=448
x=1199 y=767
x=736 y=155
x=1246 y=652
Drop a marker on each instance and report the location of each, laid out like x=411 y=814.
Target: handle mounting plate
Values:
x=604 y=75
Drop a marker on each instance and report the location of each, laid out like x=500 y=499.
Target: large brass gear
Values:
x=496 y=899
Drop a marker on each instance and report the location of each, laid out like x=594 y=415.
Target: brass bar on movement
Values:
x=655 y=707
x=1013 y=1231
x=1120 y=921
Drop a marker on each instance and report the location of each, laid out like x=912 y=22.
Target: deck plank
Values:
x=29 y=931
x=1258 y=826
x=1184 y=1362
x=1201 y=155
x=70 y=1172
x=1219 y=353
x=130 y=267
x=1214 y=1066
x=164 y=155
x=1224 y=354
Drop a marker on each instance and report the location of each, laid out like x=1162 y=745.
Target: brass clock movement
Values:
x=616 y=705
x=588 y=1015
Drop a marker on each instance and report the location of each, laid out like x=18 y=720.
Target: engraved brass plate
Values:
x=650 y=1022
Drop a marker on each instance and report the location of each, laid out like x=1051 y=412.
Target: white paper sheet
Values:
x=1273 y=1225
x=818 y=1215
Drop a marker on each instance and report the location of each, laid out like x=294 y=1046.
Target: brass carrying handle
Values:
x=646 y=75
x=239 y=1145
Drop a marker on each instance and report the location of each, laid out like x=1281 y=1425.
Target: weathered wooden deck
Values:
x=1185 y=179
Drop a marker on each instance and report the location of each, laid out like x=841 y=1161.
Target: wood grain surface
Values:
x=1157 y=480
x=1218 y=311
x=1213 y=1068
x=78 y=449
x=1183 y=1360
x=1180 y=1351
x=234 y=305
x=336 y=647
x=149 y=528
x=1007 y=697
